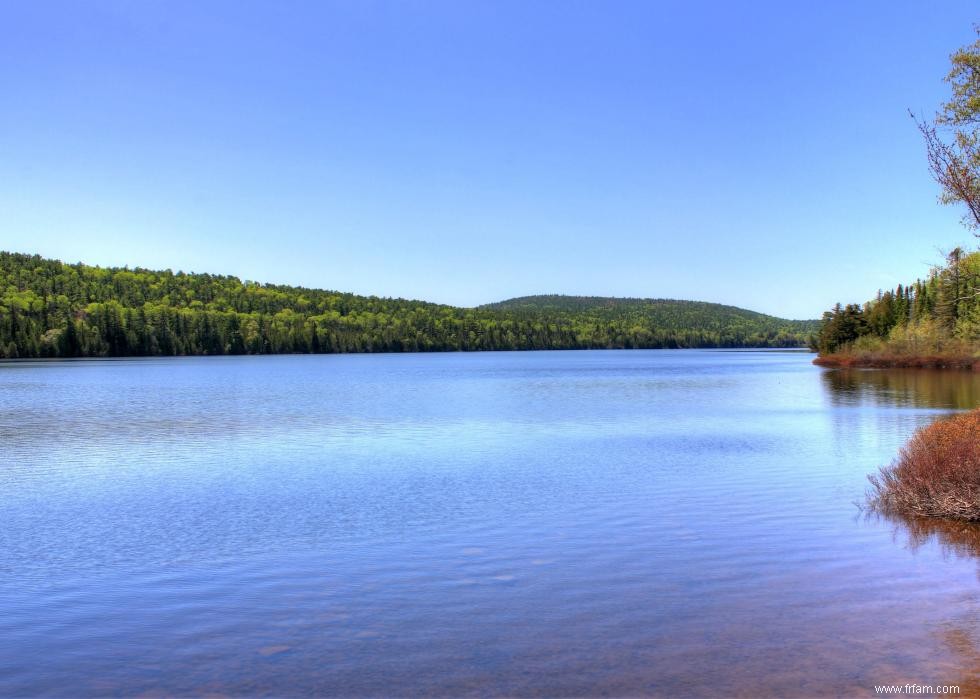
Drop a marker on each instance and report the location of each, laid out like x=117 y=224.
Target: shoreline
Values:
x=713 y=348
x=898 y=361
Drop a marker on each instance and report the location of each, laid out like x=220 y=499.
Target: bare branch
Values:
x=952 y=170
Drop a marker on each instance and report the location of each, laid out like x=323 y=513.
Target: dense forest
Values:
x=694 y=323
x=52 y=309
x=933 y=316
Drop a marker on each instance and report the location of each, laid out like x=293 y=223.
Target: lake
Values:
x=668 y=523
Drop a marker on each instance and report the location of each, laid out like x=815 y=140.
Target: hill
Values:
x=52 y=309
x=696 y=317
x=668 y=311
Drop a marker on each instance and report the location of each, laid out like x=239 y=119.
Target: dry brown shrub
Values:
x=884 y=360
x=937 y=474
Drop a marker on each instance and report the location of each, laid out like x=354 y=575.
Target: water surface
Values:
x=674 y=523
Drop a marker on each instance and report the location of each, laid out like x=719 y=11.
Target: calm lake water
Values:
x=675 y=523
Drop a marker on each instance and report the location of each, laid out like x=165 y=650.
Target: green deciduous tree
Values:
x=953 y=138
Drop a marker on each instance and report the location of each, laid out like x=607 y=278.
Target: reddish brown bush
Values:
x=937 y=474
x=908 y=361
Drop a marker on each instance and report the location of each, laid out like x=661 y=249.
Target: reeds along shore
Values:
x=858 y=360
x=937 y=474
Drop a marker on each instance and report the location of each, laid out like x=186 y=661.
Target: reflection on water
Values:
x=673 y=523
x=873 y=412
x=961 y=636
x=954 y=538
x=965 y=645
x=921 y=388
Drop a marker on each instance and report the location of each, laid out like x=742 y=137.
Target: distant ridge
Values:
x=563 y=302
x=52 y=309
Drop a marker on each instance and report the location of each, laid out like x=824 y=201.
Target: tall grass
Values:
x=937 y=474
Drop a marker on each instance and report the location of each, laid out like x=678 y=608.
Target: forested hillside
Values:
x=52 y=309
x=663 y=313
x=709 y=323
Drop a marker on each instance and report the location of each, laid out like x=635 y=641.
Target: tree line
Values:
x=52 y=309
x=942 y=309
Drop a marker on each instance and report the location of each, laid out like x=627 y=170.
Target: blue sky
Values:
x=758 y=154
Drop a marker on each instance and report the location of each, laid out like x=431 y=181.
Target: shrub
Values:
x=937 y=474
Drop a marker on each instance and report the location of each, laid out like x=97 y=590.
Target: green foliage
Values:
x=929 y=316
x=953 y=139
x=659 y=322
x=841 y=326
x=51 y=309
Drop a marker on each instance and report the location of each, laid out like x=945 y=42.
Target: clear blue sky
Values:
x=757 y=154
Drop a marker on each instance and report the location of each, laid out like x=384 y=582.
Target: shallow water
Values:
x=677 y=523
